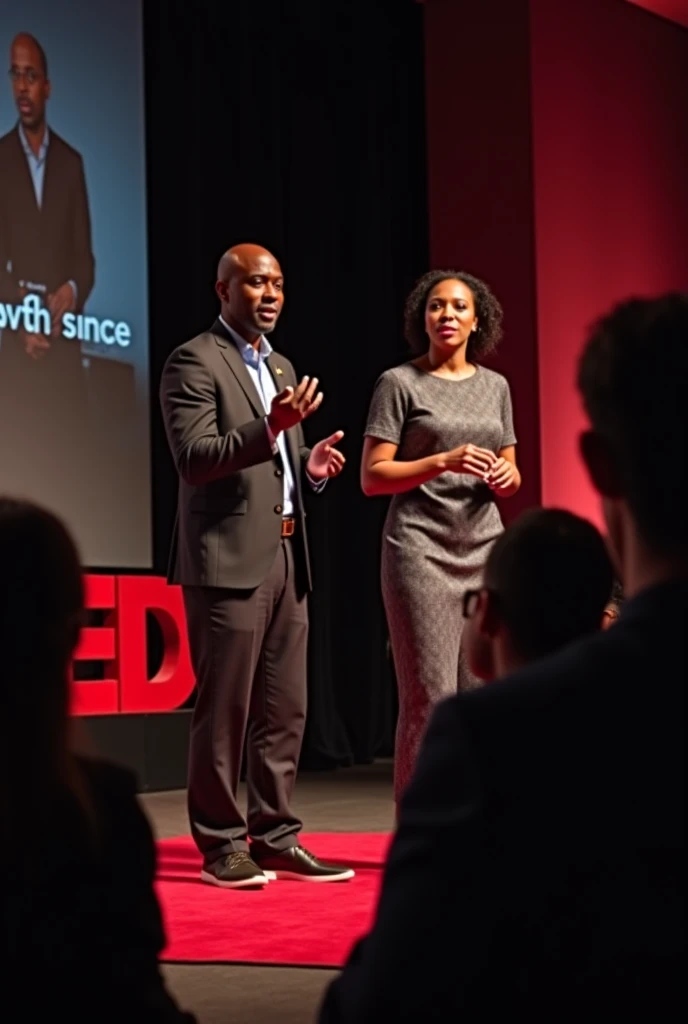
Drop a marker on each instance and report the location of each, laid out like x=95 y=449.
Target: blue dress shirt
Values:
x=259 y=372
x=36 y=163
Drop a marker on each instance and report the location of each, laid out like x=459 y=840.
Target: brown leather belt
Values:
x=288 y=527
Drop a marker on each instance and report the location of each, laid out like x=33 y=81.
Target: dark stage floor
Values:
x=350 y=800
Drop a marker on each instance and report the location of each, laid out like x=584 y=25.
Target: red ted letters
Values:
x=122 y=645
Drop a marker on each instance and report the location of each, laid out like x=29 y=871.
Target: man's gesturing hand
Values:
x=325 y=460
x=293 y=405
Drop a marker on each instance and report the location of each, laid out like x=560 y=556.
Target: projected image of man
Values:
x=48 y=272
x=45 y=203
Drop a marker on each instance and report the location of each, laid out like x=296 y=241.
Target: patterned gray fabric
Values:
x=436 y=537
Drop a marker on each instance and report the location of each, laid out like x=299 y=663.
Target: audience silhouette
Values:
x=537 y=872
x=546 y=583
x=81 y=924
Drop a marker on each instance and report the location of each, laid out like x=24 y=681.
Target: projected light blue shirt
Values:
x=37 y=171
x=36 y=163
x=259 y=372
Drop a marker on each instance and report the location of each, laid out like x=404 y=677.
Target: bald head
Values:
x=30 y=85
x=25 y=41
x=244 y=257
x=250 y=286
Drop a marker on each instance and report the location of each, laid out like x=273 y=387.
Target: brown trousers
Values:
x=248 y=649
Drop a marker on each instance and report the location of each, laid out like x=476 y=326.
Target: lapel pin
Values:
x=278 y=371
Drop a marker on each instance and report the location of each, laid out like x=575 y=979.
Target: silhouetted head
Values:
x=449 y=309
x=546 y=583
x=41 y=607
x=30 y=82
x=632 y=377
x=250 y=285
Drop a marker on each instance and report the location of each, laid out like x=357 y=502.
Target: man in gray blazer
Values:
x=233 y=410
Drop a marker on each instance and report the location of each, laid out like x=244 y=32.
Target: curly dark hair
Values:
x=487 y=309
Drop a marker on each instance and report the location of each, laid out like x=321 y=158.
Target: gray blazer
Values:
x=229 y=512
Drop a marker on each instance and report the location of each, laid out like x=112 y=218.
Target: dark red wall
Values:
x=481 y=185
x=610 y=131
x=674 y=10
x=558 y=163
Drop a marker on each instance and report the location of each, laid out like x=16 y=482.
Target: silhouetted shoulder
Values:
x=108 y=779
x=574 y=700
x=118 y=818
x=540 y=688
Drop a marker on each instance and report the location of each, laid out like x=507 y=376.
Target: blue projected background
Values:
x=95 y=67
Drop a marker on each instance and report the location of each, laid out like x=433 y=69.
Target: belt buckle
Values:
x=288 y=527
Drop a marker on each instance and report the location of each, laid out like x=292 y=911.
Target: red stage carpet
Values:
x=288 y=923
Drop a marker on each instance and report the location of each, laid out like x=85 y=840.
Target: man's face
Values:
x=254 y=296
x=30 y=86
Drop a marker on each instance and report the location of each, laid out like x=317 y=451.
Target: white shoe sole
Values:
x=257 y=882
x=294 y=876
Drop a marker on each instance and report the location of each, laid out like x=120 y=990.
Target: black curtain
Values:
x=298 y=125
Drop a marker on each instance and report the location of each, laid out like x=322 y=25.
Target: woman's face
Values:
x=450 y=315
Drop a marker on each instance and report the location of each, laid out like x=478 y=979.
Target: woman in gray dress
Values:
x=440 y=439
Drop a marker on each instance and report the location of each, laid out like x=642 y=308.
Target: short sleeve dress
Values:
x=436 y=537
